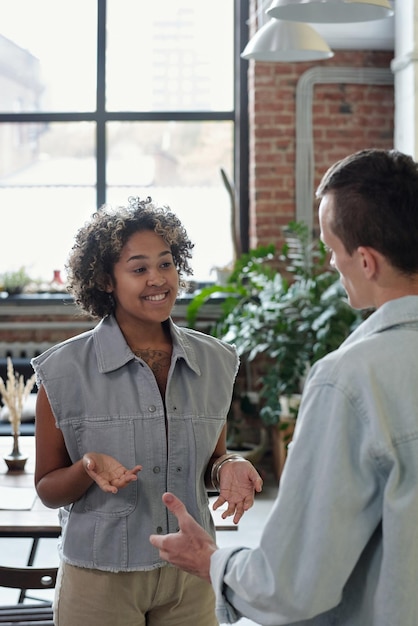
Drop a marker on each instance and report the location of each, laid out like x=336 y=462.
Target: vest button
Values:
x=156 y=469
x=179 y=469
x=159 y=530
x=151 y=408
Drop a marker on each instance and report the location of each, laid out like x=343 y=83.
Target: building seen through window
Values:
x=103 y=100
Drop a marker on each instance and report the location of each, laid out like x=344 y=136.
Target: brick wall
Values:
x=345 y=117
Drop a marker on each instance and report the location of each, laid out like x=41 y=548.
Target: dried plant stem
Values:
x=14 y=393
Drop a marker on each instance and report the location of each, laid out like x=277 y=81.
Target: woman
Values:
x=133 y=408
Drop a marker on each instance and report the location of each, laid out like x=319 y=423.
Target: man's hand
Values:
x=189 y=549
x=107 y=472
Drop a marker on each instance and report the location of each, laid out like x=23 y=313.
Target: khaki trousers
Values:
x=165 y=596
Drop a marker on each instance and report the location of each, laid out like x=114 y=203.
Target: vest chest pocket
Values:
x=117 y=440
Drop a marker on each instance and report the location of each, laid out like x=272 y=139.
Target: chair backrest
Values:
x=28 y=577
x=26 y=615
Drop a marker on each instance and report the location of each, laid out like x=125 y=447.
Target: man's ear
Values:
x=370 y=261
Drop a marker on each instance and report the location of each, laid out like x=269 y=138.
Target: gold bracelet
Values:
x=216 y=468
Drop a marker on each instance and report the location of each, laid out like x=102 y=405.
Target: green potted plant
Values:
x=283 y=311
x=241 y=285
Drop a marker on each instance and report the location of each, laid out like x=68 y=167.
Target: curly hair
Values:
x=98 y=246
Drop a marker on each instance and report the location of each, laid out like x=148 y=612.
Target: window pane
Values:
x=170 y=55
x=38 y=231
x=166 y=153
x=38 y=154
x=47 y=189
x=47 y=55
x=178 y=164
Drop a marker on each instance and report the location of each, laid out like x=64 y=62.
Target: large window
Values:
x=104 y=99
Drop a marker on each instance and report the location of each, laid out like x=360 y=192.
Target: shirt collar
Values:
x=113 y=352
x=398 y=312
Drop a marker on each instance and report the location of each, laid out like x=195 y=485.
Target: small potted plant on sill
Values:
x=15 y=282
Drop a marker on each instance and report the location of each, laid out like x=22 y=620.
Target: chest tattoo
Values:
x=158 y=361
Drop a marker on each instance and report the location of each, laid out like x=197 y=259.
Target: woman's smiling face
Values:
x=145 y=280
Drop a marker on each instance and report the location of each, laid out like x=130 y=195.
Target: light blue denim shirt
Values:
x=340 y=546
x=105 y=399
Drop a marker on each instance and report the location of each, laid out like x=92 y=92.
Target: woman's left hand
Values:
x=238 y=481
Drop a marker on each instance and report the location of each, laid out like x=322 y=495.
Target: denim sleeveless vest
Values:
x=105 y=399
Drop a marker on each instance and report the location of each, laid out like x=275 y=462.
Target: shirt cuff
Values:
x=225 y=611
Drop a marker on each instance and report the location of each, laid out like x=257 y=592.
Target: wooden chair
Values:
x=24 y=578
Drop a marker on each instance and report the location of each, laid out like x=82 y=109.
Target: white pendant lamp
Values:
x=286 y=41
x=330 y=11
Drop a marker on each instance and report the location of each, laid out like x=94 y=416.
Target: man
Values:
x=341 y=543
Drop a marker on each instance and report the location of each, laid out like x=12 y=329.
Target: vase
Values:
x=56 y=284
x=15 y=461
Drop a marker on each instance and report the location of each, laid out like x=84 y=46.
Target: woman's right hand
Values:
x=107 y=472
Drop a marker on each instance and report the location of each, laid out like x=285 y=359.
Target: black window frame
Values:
x=239 y=115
